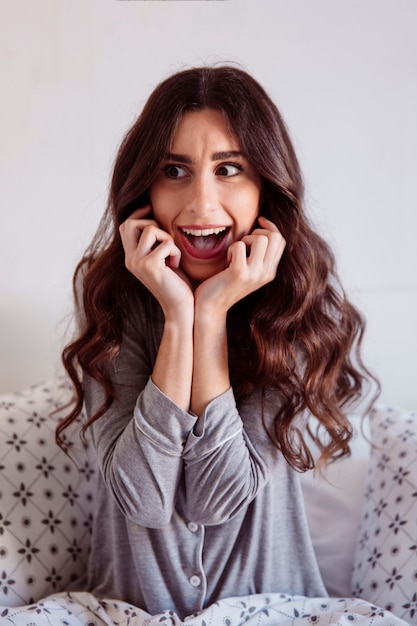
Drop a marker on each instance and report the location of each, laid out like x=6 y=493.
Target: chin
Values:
x=199 y=275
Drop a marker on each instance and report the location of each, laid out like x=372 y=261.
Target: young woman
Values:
x=212 y=330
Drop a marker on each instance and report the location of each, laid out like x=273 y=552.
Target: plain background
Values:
x=75 y=74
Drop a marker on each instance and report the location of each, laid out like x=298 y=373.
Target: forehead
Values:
x=207 y=127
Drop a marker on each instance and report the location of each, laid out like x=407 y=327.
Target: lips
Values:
x=205 y=242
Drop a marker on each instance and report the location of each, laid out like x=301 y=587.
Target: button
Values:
x=193 y=527
x=195 y=581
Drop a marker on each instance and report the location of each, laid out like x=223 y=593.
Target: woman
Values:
x=212 y=329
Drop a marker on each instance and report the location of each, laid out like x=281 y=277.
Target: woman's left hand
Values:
x=253 y=262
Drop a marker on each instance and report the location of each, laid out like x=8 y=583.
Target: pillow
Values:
x=385 y=565
x=333 y=500
x=46 y=501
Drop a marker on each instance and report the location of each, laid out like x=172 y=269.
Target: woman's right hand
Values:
x=152 y=256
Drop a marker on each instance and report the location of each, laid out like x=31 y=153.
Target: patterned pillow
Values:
x=385 y=566
x=46 y=500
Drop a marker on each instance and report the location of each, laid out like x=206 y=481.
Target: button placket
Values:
x=195 y=580
x=195 y=575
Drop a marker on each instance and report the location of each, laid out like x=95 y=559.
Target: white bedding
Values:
x=273 y=609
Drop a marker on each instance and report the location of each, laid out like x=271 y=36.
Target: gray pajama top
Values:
x=190 y=510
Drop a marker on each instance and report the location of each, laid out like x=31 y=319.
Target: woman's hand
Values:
x=253 y=262
x=152 y=256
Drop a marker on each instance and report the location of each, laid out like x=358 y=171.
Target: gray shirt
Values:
x=190 y=510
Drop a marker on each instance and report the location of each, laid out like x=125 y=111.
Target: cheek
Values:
x=247 y=208
x=160 y=209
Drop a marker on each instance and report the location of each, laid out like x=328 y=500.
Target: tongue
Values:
x=208 y=242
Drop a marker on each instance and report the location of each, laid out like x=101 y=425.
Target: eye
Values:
x=174 y=171
x=229 y=169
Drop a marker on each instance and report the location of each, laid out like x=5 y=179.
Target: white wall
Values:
x=74 y=74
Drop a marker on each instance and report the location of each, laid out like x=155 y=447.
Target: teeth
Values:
x=203 y=232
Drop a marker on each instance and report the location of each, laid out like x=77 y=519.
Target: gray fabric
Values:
x=190 y=511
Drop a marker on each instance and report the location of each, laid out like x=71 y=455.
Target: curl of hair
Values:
x=298 y=335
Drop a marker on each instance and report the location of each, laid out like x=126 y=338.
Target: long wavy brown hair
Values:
x=298 y=335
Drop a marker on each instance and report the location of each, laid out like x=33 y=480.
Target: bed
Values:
x=362 y=515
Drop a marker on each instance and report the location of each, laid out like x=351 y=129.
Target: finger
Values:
x=164 y=252
x=266 y=223
x=148 y=260
x=151 y=237
x=136 y=215
x=131 y=230
x=159 y=247
x=266 y=249
x=267 y=226
x=273 y=257
x=274 y=251
x=136 y=224
x=258 y=245
x=173 y=261
x=129 y=234
x=237 y=254
x=275 y=239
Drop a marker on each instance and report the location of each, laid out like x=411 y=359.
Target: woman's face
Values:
x=207 y=194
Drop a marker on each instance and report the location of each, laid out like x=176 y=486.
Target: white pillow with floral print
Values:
x=46 y=501
x=385 y=565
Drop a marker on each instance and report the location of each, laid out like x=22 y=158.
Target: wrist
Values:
x=180 y=315
x=180 y=326
x=210 y=313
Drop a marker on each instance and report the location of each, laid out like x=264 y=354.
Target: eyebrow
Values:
x=216 y=156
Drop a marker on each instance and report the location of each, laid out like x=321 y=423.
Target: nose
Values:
x=203 y=197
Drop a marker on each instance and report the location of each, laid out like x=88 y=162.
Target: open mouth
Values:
x=204 y=242
x=205 y=238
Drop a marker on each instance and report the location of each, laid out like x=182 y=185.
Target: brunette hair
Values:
x=298 y=335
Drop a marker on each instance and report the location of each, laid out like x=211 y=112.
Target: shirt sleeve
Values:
x=139 y=441
x=229 y=457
